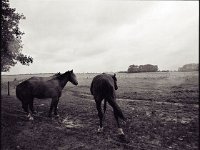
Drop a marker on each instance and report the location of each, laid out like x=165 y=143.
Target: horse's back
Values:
x=102 y=85
x=42 y=81
x=42 y=88
x=39 y=87
x=39 y=79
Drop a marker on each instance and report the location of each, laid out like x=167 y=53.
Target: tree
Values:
x=133 y=69
x=148 y=68
x=11 y=43
x=189 y=67
x=142 y=68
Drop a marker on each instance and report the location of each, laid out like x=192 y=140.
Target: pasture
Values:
x=161 y=109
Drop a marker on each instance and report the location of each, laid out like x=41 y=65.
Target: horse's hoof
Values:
x=120 y=131
x=31 y=118
x=124 y=122
x=100 y=130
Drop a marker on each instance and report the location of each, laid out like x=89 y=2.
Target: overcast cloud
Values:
x=101 y=36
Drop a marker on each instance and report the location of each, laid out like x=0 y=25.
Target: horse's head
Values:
x=115 y=81
x=72 y=78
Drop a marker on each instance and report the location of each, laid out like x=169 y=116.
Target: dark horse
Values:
x=41 y=88
x=102 y=87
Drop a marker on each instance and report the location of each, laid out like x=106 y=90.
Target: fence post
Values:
x=8 y=88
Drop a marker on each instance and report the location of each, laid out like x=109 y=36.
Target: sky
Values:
x=107 y=35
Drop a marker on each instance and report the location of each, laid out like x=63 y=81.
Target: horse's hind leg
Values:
x=105 y=106
x=32 y=107
x=25 y=107
x=112 y=103
x=100 y=114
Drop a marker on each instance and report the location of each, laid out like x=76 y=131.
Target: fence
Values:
x=9 y=87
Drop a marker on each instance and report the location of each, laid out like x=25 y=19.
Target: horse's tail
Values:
x=104 y=108
x=91 y=88
x=117 y=110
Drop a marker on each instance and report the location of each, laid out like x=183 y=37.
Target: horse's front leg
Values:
x=56 y=107
x=53 y=102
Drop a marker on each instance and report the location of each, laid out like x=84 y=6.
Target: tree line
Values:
x=154 y=68
x=142 y=68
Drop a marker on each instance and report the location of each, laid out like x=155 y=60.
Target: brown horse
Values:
x=103 y=86
x=41 y=88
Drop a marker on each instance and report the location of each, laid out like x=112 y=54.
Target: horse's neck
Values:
x=63 y=82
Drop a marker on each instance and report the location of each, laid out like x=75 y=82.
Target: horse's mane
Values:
x=57 y=74
x=61 y=76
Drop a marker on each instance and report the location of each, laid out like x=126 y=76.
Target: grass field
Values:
x=162 y=111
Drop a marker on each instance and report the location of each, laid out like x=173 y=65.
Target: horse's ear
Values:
x=114 y=74
x=71 y=71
